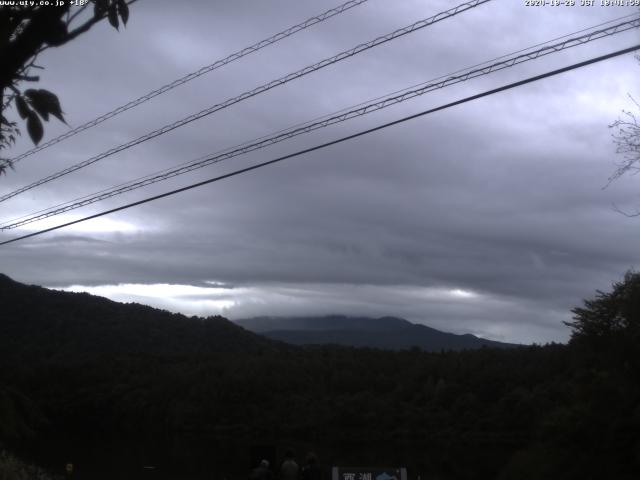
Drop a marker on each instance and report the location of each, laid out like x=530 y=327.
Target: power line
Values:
x=187 y=78
x=340 y=140
x=293 y=131
x=362 y=109
x=251 y=93
x=486 y=62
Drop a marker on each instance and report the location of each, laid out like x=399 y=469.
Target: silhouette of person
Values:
x=311 y=470
x=261 y=472
x=289 y=469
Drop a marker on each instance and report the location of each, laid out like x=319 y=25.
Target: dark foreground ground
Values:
x=113 y=388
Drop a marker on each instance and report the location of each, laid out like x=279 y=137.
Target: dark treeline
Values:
x=115 y=387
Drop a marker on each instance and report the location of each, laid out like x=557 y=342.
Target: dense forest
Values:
x=114 y=387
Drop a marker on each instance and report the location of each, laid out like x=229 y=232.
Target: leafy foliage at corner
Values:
x=36 y=103
x=192 y=393
x=26 y=30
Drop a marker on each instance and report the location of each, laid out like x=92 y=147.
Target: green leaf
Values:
x=39 y=107
x=100 y=7
x=34 y=127
x=45 y=103
x=22 y=107
x=123 y=9
x=113 y=16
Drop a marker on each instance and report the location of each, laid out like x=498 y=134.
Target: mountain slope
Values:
x=386 y=332
x=37 y=323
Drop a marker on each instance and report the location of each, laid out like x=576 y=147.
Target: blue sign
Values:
x=368 y=473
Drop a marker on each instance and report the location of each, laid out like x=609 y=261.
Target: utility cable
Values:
x=337 y=141
x=187 y=78
x=362 y=109
x=256 y=91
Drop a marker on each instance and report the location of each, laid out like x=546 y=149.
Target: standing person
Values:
x=311 y=470
x=261 y=472
x=289 y=469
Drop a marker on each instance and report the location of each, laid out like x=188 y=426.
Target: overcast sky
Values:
x=487 y=218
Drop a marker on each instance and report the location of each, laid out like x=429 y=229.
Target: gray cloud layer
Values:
x=501 y=198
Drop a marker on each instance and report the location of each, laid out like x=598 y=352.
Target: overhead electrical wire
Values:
x=362 y=109
x=187 y=78
x=69 y=202
x=256 y=91
x=293 y=131
x=337 y=141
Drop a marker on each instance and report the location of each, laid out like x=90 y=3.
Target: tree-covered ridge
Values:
x=558 y=411
x=42 y=323
x=385 y=332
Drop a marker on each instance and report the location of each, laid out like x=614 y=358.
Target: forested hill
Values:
x=39 y=323
x=385 y=332
x=113 y=388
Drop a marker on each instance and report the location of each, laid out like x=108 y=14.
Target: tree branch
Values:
x=28 y=78
x=80 y=10
x=626 y=214
x=86 y=26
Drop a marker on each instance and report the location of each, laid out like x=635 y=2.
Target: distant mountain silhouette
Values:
x=386 y=332
x=36 y=323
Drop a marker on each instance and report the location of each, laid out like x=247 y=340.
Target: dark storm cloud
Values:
x=487 y=218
